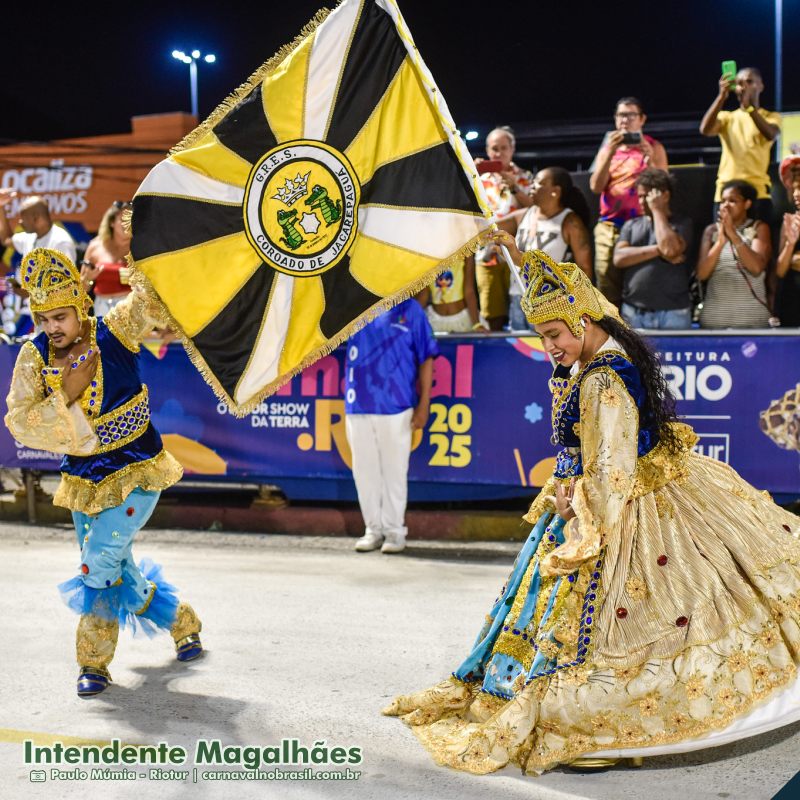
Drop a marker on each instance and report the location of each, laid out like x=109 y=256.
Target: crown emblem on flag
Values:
x=293 y=189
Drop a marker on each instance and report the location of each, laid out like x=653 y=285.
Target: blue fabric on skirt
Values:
x=499 y=671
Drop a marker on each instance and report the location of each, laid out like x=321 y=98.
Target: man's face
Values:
x=61 y=325
x=628 y=118
x=498 y=148
x=642 y=192
x=748 y=82
x=27 y=218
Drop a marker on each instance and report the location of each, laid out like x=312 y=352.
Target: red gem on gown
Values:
x=681 y=622
x=622 y=612
x=662 y=561
x=85 y=569
x=129 y=512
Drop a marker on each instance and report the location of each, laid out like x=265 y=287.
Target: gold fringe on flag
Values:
x=139 y=280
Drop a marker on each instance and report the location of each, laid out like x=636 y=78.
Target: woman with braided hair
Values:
x=655 y=606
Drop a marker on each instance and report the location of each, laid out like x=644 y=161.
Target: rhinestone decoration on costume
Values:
x=124 y=424
x=558 y=291
x=52 y=281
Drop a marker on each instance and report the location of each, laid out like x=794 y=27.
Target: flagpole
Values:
x=461 y=151
x=515 y=271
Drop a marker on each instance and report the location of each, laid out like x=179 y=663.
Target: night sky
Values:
x=67 y=73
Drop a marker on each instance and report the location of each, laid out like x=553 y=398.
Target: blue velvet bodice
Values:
x=566 y=409
x=117 y=384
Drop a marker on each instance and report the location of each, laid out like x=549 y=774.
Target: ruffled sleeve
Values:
x=45 y=422
x=609 y=427
x=133 y=319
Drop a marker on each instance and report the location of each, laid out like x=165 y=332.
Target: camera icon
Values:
x=38 y=776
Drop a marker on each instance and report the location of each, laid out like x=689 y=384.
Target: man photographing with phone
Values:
x=624 y=154
x=746 y=135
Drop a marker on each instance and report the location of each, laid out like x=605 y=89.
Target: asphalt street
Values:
x=305 y=640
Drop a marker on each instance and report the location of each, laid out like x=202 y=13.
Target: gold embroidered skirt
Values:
x=695 y=622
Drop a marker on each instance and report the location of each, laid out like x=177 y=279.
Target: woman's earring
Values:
x=583 y=323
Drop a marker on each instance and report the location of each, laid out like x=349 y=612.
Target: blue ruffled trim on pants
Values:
x=121 y=602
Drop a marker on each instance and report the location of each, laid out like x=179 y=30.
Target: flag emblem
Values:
x=300 y=207
x=327 y=188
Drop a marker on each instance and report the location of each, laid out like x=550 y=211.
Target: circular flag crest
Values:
x=300 y=207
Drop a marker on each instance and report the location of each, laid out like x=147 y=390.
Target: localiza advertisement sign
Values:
x=64 y=187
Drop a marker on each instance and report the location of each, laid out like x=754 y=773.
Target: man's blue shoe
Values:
x=92 y=681
x=189 y=647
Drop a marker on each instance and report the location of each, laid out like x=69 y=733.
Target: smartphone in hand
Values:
x=489 y=166
x=729 y=71
x=632 y=137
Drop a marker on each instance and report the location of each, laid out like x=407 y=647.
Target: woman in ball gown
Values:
x=655 y=606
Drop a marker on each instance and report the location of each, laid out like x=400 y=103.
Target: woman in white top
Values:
x=734 y=254
x=556 y=223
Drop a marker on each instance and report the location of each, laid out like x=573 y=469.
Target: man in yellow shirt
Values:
x=746 y=135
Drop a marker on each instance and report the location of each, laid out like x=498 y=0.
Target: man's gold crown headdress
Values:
x=560 y=291
x=52 y=281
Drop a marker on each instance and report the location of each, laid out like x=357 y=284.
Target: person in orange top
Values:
x=104 y=267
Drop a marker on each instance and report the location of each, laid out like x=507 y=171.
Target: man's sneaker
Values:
x=92 y=681
x=394 y=543
x=369 y=541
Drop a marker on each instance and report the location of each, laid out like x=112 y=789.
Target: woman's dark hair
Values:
x=659 y=406
x=571 y=196
x=745 y=189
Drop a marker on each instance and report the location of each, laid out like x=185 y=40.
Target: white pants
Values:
x=381 y=445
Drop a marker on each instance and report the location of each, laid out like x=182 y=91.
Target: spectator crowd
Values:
x=641 y=252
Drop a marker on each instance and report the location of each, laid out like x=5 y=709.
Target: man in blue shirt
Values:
x=383 y=406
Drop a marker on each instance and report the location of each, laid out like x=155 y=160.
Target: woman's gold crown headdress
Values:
x=560 y=291
x=51 y=281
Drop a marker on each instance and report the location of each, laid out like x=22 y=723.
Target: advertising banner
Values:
x=489 y=429
x=80 y=178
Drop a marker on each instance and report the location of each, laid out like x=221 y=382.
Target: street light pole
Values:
x=193 y=85
x=192 y=60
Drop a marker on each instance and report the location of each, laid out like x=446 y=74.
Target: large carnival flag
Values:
x=330 y=186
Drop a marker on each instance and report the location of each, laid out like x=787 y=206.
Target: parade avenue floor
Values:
x=305 y=640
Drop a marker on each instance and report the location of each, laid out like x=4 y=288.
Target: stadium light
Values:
x=192 y=60
x=471 y=136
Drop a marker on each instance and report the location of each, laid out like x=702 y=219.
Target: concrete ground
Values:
x=305 y=639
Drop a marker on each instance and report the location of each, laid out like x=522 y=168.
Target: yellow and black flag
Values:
x=328 y=187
